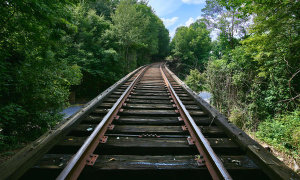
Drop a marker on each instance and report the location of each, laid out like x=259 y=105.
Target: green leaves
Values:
x=256 y=82
x=140 y=34
x=49 y=47
x=282 y=132
x=35 y=73
x=195 y=80
x=191 y=45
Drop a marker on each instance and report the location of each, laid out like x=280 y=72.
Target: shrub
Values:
x=238 y=117
x=282 y=132
x=195 y=80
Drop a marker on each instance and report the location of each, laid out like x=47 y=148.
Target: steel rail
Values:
x=85 y=154
x=211 y=160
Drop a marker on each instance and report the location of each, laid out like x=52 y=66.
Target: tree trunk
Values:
x=232 y=29
x=127 y=59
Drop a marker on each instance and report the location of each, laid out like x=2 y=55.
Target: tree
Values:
x=93 y=51
x=104 y=7
x=225 y=17
x=191 y=45
x=140 y=33
x=128 y=26
x=35 y=76
x=50 y=47
x=155 y=37
x=259 y=77
x=274 y=47
x=163 y=41
x=195 y=80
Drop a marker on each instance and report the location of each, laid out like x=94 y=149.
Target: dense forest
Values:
x=252 y=68
x=49 y=48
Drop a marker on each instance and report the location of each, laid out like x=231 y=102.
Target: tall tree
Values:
x=155 y=37
x=93 y=51
x=35 y=76
x=104 y=7
x=48 y=47
x=128 y=26
x=225 y=18
x=274 y=46
x=163 y=41
x=191 y=45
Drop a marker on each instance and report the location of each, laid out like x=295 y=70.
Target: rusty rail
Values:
x=207 y=155
x=84 y=155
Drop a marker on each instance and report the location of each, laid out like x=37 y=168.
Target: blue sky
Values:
x=175 y=13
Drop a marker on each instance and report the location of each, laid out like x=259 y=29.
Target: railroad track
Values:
x=149 y=123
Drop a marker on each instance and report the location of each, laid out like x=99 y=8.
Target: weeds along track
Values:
x=148 y=125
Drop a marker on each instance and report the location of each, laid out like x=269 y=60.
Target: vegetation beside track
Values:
x=252 y=68
x=48 y=48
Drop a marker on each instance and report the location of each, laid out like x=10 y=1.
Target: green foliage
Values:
x=35 y=76
x=163 y=41
x=252 y=69
x=49 y=47
x=195 y=80
x=104 y=7
x=92 y=49
x=140 y=33
x=225 y=16
x=129 y=32
x=239 y=117
x=257 y=80
x=282 y=132
x=191 y=46
x=229 y=80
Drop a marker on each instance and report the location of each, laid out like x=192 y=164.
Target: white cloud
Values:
x=191 y=20
x=169 y=22
x=193 y=1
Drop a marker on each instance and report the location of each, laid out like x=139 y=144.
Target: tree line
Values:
x=48 y=48
x=252 y=68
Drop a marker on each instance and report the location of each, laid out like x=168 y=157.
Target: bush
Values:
x=238 y=117
x=282 y=132
x=195 y=80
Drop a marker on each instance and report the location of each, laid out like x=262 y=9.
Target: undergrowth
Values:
x=282 y=132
